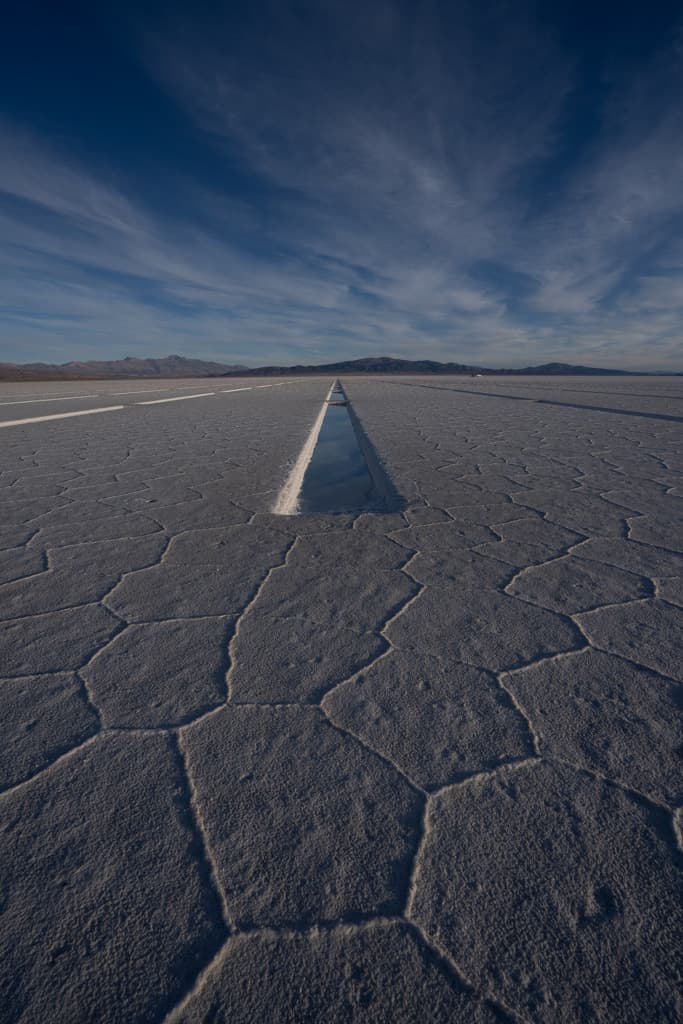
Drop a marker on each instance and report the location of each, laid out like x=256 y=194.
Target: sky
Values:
x=498 y=184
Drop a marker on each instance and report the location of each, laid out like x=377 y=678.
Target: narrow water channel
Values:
x=337 y=478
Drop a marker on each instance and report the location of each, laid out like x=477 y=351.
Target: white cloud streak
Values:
x=402 y=161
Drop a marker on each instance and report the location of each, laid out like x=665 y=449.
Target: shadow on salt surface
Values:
x=344 y=473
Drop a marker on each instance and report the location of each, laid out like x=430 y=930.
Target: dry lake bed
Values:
x=418 y=763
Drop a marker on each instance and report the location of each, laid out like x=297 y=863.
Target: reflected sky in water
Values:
x=337 y=478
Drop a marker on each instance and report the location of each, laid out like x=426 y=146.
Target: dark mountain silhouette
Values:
x=168 y=366
x=180 y=366
x=386 y=364
x=547 y=369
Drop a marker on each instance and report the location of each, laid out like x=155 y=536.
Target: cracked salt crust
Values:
x=545 y=766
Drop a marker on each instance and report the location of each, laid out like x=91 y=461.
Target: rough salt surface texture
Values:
x=417 y=766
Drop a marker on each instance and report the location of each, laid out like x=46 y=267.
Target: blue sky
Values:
x=497 y=183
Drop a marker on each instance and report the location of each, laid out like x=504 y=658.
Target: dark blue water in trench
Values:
x=337 y=478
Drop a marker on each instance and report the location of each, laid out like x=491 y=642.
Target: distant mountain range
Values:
x=112 y=369
x=179 y=366
x=385 y=364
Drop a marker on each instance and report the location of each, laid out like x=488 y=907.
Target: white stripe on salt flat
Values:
x=288 y=499
x=60 y=416
x=255 y=387
x=178 y=398
x=36 y=401
x=141 y=391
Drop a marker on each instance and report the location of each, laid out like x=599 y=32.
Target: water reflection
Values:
x=337 y=478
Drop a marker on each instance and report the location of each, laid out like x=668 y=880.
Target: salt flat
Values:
x=414 y=766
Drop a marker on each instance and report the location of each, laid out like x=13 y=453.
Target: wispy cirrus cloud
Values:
x=415 y=180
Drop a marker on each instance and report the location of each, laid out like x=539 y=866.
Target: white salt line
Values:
x=142 y=391
x=37 y=394
x=255 y=387
x=60 y=416
x=115 y=408
x=35 y=401
x=178 y=398
x=288 y=499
